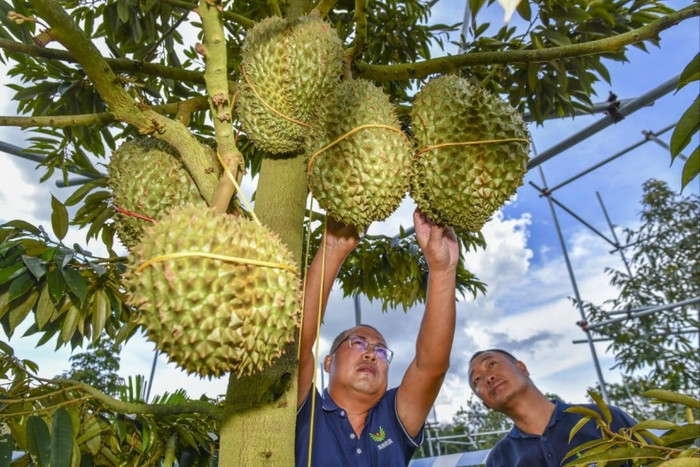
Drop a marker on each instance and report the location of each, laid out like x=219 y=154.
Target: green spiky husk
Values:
x=212 y=316
x=148 y=178
x=293 y=65
x=463 y=186
x=364 y=177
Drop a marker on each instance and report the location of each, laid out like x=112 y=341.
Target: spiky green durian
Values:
x=290 y=65
x=463 y=185
x=214 y=316
x=148 y=178
x=363 y=177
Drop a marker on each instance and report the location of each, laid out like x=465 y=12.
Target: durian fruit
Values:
x=363 y=177
x=147 y=178
x=463 y=185
x=291 y=65
x=214 y=316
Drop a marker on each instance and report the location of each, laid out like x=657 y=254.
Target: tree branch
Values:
x=360 y=18
x=176 y=108
x=198 y=407
x=215 y=74
x=125 y=109
x=425 y=68
x=117 y=64
x=325 y=6
x=229 y=15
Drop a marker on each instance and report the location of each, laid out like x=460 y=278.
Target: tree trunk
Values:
x=258 y=428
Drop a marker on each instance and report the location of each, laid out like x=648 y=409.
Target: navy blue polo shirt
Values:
x=382 y=443
x=520 y=449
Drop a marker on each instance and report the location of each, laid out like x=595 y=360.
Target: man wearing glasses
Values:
x=357 y=421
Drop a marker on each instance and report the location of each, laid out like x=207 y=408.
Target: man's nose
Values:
x=369 y=354
x=489 y=379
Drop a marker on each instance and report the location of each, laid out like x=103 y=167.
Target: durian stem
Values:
x=274 y=8
x=228 y=15
x=325 y=6
x=360 y=17
x=215 y=77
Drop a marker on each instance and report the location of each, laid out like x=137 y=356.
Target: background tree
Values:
x=91 y=75
x=98 y=366
x=664 y=268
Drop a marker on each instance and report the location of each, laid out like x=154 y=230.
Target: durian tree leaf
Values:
x=600 y=402
x=75 y=282
x=90 y=434
x=100 y=312
x=575 y=429
x=679 y=436
x=618 y=454
x=680 y=462
x=61 y=438
x=70 y=323
x=38 y=440
x=12 y=272
x=35 y=265
x=57 y=285
x=22 y=225
x=45 y=307
x=585 y=411
x=690 y=73
x=22 y=309
x=59 y=218
x=20 y=285
x=4 y=303
x=585 y=446
x=673 y=397
x=6 y=445
x=687 y=126
x=691 y=168
x=655 y=425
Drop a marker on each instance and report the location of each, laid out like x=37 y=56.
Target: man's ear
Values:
x=327 y=363
x=522 y=367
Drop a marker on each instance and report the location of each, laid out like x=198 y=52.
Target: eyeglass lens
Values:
x=359 y=344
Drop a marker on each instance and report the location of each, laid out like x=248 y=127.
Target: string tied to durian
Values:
x=225 y=258
x=346 y=135
x=268 y=106
x=238 y=188
x=470 y=143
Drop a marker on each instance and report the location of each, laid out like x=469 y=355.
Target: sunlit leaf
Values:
x=59 y=218
x=61 y=438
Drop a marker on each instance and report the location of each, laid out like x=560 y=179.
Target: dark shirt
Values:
x=382 y=443
x=520 y=449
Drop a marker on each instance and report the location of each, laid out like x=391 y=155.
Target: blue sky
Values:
x=526 y=308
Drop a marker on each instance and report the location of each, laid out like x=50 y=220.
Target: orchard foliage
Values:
x=89 y=75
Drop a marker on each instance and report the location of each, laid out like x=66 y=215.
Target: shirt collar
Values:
x=328 y=404
x=556 y=416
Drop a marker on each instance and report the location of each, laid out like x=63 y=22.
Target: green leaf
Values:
x=4 y=303
x=44 y=307
x=585 y=411
x=655 y=425
x=682 y=434
x=686 y=127
x=35 y=265
x=690 y=73
x=605 y=410
x=56 y=283
x=75 y=283
x=12 y=272
x=21 y=310
x=691 y=168
x=670 y=396
x=6 y=445
x=38 y=440
x=22 y=225
x=61 y=438
x=59 y=218
x=70 y=323
x=100 y=311
x=680 y=462
x=615 y=455
x=21 y=285
x=578 y=426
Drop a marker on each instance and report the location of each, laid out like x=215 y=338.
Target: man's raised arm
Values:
x=421 y=383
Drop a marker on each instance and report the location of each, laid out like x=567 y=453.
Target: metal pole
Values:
x=153 y=371
x=612 y=230
x=611 y=158
x=576 y=293
x=547 y=193
x=690 y=301
x=605 y=122
x=358 y=309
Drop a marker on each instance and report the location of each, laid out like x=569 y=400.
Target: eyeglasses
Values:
x=360 y=344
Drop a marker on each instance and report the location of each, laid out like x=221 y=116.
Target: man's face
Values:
x=359 y=371
x=496 y=379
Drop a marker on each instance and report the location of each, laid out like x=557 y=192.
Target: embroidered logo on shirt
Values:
x=378 y=436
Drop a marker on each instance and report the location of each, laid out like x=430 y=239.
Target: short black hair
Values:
x=344 y=335
x=501 y=351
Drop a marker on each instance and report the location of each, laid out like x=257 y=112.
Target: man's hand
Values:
x=340 y=236
x=439 y=243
